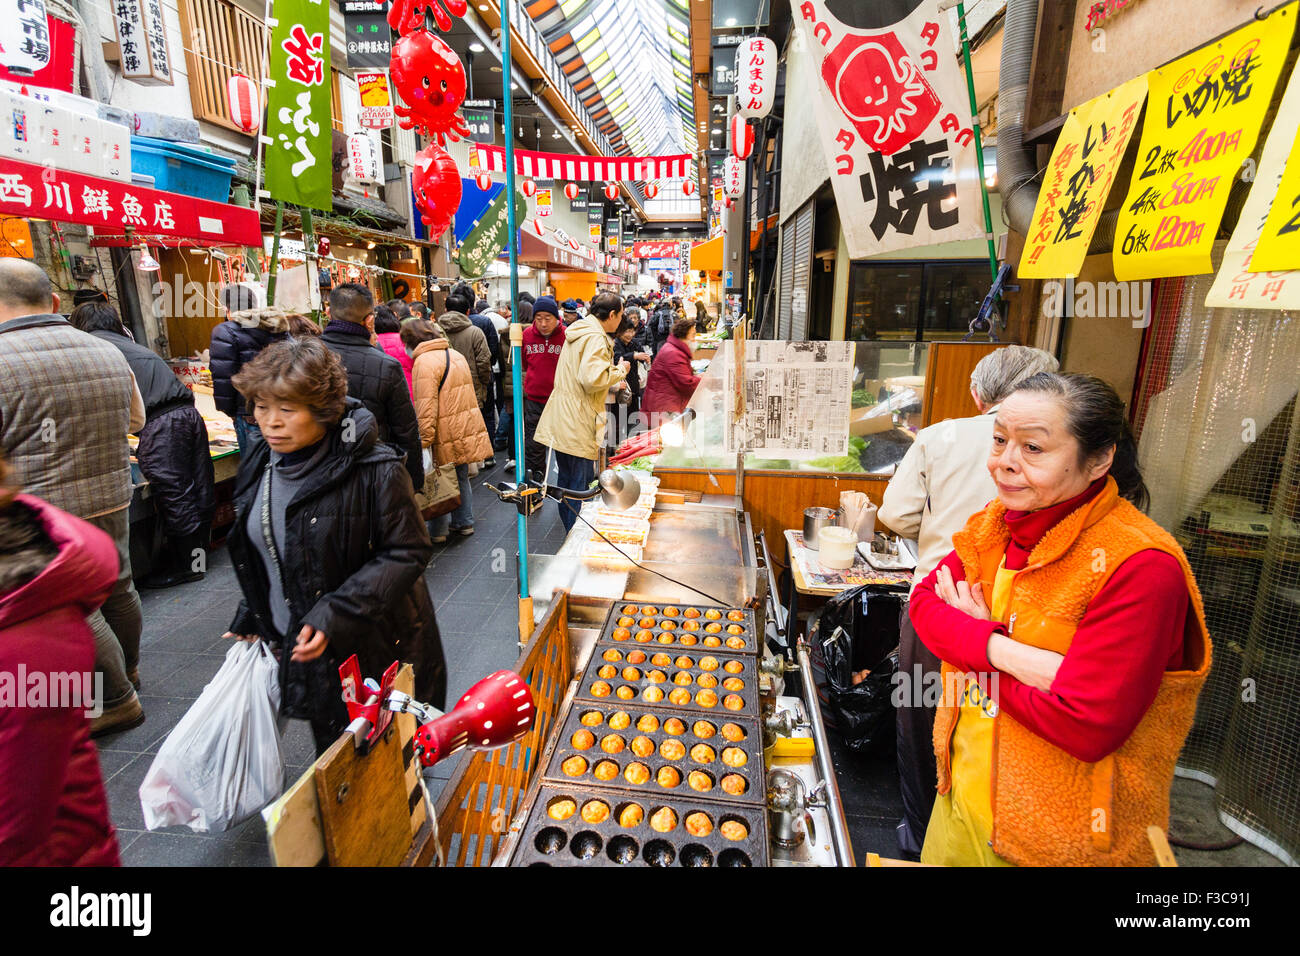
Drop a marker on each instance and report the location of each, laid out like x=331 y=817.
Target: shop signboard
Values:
x=1203 y=118
x=376 y=99
x=369 y=43
x=15 y=238
x=722 y=77
x=1079 y=175
x=1237 y=284
x=596 y=214
x=142 y=41
x=654 y=250
x=614 y=232
x=479 y=118
x=486 y=240
x=298 y=110
x=25 y=42
x=893 y=115
x=593 y=234
x=544 y=205
x=579 y=203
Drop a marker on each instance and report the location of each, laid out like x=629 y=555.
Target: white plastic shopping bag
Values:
x=222 y=763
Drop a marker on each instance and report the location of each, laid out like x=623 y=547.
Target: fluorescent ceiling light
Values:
x=476 y=48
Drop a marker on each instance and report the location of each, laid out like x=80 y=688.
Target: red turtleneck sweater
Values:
x=1109 y=679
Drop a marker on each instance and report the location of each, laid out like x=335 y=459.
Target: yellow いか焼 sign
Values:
x=1278 y=249
x=1084 y=162
x=1203 y=119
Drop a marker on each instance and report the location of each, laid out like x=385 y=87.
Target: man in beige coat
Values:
x=573 y=422
x=451 y=425
x=942 y=481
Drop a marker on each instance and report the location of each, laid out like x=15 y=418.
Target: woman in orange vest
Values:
x=1073 y=643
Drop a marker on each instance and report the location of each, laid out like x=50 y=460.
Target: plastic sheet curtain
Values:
x=1219 y=444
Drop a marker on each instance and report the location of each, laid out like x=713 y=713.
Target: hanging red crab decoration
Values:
x=435 y=182
x=405 y=16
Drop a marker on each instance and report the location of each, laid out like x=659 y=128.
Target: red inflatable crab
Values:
x=407 y=15
x=436 y=185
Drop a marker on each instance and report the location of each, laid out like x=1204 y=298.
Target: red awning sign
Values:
x=37 y=192
x=654 y=250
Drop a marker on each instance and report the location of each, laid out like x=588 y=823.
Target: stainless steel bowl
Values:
x=814 y=519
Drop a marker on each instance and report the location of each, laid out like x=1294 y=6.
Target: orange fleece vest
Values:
x=1050 y=809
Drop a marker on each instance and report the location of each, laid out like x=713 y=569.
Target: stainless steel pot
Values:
x=814 y=519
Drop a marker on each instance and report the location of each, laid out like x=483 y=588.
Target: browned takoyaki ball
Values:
x=734 y=757
x=561 y=809
x=734 y=784
x=592 y=718
x=680 y=696
x=708 y=680
x=706 y=698
x=600 y=689
x=733 y=683
x=607 y=671
x=733 y=667
x=712 y=640
x=636 y=657
x=668 y=777
x=663 y=820
x=672 y=750
x=691 y=612
x=644 y=637
x=642 y=746
x=625 y=621
x=733 y=732
x=713 y=628
x=699 y=781
x=683 y=678
x=690 y=626
x=625 y=692
x=703 y=729
x=574 y=766
x=620 y=720
x=621 y=634
x=612 y=744
x=637 y=774
x=733 y=830
x=582 y=739
x=647 y=724
x=735 y=615
x=652 y=694
x=713 y=614
x=733 y=702
x=612 y=655
x=631 y=816
x=649 y=609
x=661 y=659
x=698 y=824
x=674 y=726
x=687 y=640
x=671 y=612
x=702 y=753
x=736 y=643
x=595 y=811
x=605 y=770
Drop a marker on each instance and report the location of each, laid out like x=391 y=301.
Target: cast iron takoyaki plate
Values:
x=671 y=638
x=575 y=842
x=752 y=747
x=682 y=679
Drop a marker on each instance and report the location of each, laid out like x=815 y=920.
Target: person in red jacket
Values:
x=543 y=342
x=671 y=381
x=54 y=570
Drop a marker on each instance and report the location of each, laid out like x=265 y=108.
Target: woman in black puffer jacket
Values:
x=328 y=544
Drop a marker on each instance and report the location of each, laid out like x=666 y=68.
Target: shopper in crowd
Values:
x=67 y=403
x=573 y=422
x=301 y=325
x=505 y=436
x=485 y=320
x=941 y=481
x=418 y=311
x=702 y=320
x=54 y=570
x=543 y=343
x=450 y=423
x=1073 y=642
x=470 y=341
x=672 y=381
x=387 y=333
x=328 y=544
x=374 y=377
x=661 y=323
x=626 y=349
x=570 y=312
x=400 y=308
x=528 y=297
x=173 y=452
x=500 y=316
x=246 y=331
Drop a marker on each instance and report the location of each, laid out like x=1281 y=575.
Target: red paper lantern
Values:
x=651 y=190
x=741 y=137
x=528 y=188
x=245 y=105
x=571 y=190
x=688 y=187
x=484 y=181
x=323 y=247
x=611 y=192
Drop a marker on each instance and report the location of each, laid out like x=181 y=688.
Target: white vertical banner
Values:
x=894 y=116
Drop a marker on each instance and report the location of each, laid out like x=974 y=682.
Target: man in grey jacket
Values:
x=67 y=403
x=941 y=481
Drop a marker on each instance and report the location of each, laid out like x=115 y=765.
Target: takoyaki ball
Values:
x=697 y=824
x=582 y=739
x=733 y=702
x=682 y=678
x=667 y=625
x=631 y=673
x=648 y=724
x=735 y=629
x=733 y=683
x=713 y=641
x=652 y=694
x=703 y=729
x=667 y=637
x=625 y=692
x=734 y=757
x=687 y=640
x=733 y=830
x=733 y=667
x=735 y=615
x=699 y=781
x=631 y=816
x=561 y=809
x=605 y=770
x=644 y=637
x=622 y=634
x=706 y=698
x=649 y=609
x=592 y=718
x=612 y=655
x=612 y=744
x=736 y=643
x=668 y=777
x=690 y=626
x=713 y=628
x=637 y=774
x=733 y=732
x=691 y=612
x=600 y=689
x=674 y=726
x=620 y=720
x=680 y=696
x=734 y=784
x=684 y=661
x=656 y=677
x=643 y=746
x=709 y=664
x=713 y=614
x=703 y=753
x=661 y=659
x=607 y=671
x=671 y=612
x=708 y=680
x=629 y=608
x=646 y=622
x=574 y=766
x=672 y=750
x=595 y=811
x=625 y=621
x=663 y=820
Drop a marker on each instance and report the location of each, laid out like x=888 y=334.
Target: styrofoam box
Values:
x=115 y=151
x=20 y=129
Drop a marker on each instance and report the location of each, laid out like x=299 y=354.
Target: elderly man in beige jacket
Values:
x=942 y=481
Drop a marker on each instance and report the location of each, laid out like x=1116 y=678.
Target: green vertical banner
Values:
x=298 y=120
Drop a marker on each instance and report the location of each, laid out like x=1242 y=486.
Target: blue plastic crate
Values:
x=178 y=168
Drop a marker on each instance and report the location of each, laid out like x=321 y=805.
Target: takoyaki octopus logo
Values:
x=881 y=89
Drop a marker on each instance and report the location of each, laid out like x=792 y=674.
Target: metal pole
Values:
x=516 y=330
x=834 y=805
x=979 y=139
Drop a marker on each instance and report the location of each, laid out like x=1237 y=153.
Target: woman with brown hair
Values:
x=328 y=545
x=54 y=570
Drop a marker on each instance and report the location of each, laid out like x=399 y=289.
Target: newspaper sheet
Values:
x=796 y=399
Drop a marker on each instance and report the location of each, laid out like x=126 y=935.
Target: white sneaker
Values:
x=510 y=464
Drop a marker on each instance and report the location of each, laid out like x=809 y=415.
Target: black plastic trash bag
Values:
x=858 y=630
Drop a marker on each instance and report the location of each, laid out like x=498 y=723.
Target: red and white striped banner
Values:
x=590 y=169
